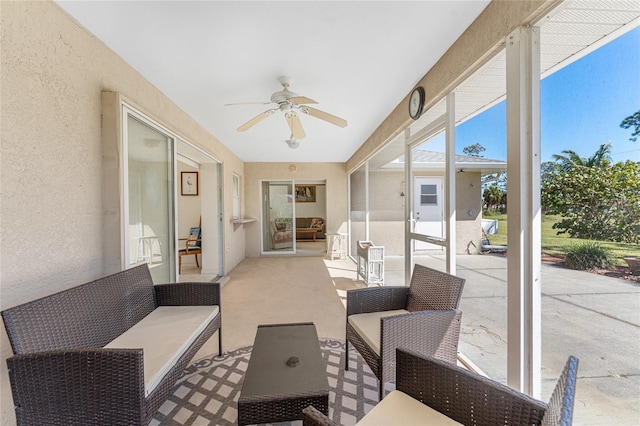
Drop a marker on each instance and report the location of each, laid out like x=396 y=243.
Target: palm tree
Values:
x=571 y=159
x=492 y=196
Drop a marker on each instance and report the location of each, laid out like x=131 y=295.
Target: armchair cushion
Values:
x=164 y=335
x=399 y=409
x=368 y=326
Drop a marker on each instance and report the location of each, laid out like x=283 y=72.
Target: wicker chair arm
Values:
x=462 y=395
x=376 y=299
x=188 y=294
x=84 y=386
x=434 y=333
x=312 y=417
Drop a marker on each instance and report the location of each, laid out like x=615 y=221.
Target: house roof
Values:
x=424 y=160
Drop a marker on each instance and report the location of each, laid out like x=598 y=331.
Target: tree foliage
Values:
x=632 y=121
x=600 y=202
x=493 y=197
x=474 y=150
x=570 y=158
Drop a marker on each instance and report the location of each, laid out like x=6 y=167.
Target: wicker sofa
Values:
x=108 y=351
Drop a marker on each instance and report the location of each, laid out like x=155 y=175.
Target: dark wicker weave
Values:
x=60 y=375
x=472 y=399
x=432 y=327
x=273 y=392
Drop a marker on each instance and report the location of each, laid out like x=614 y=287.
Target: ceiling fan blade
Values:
x=295 y=125
x=255 y=120
x=300 y=100
x=330 y=118
x=248 y=103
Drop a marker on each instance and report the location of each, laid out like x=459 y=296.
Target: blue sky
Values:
x=582 y=106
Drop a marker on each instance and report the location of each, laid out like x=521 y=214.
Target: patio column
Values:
x=523 y=220
x=450 y=183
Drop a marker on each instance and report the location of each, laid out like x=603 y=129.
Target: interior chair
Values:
x=431 y=391
x=281 y=234
x=423 y=317
x=193 y=246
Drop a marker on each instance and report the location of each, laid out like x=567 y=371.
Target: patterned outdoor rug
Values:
x=208 y=392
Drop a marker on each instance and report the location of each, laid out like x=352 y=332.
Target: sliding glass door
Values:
x=278 y=230
x=148 y=197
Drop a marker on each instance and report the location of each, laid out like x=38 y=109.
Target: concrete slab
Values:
x=594 y=317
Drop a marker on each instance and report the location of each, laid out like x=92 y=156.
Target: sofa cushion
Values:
x=368 y=326
x=165 y=335
x=303 y=222
x=400 y=409
x=316 y=223
x=280 y=236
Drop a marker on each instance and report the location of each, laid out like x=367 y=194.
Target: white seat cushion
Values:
x=165 y=335
x=399 y=409
x=368 y=326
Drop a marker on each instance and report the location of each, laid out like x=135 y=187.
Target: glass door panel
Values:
x=357 y=209
x=150 y=201
x=278 y=227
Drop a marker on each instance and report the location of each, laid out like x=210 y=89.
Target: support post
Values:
x=450 y=183
x=523 y=220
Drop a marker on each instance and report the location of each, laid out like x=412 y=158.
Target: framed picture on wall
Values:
x=305 y=193
x=188 y=183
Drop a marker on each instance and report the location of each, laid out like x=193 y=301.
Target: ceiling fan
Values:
x=290 y=104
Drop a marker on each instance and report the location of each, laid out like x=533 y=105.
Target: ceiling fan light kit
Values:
x=293 y=143
x=290 y=104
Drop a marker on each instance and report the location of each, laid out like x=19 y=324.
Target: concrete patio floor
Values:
x=593 y=317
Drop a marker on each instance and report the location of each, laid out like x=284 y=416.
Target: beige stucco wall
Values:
x=386 y=227
x=53 y=73
x=336 y=194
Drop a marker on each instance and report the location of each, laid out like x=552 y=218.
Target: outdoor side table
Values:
x=286 y=373
x=336 y=245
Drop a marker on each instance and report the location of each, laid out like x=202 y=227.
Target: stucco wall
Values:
x=386 y=227
x=336 y=193
x=53 y=73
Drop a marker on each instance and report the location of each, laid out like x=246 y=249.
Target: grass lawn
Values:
x=557 y=245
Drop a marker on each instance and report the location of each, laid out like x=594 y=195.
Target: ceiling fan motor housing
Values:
x=282 y=96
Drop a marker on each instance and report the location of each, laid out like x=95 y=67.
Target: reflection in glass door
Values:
x=278 y=229
x=149 y=206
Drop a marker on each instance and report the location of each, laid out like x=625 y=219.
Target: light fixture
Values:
x=293 y=143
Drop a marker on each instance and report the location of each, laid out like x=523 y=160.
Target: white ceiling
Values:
x=358 y=59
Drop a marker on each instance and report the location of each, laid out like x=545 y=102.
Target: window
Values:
x=428 y=195
x=236 y=197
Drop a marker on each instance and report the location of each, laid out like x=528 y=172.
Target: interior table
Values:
x=286 y=373
x=313 y=233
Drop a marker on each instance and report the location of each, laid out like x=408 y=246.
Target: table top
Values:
x=268 y=372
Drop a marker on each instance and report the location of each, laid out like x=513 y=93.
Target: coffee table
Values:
x=286 y=373
x=313 y=232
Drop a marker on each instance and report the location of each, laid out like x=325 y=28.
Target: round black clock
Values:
x=416 y=102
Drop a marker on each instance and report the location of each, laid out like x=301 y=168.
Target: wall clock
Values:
x=416 y=102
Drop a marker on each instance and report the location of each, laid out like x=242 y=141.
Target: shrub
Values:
x=589 y=255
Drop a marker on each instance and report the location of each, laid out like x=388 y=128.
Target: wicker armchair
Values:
x=422 y=317
x=465 y=397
